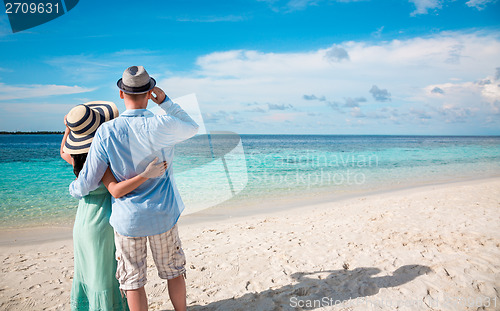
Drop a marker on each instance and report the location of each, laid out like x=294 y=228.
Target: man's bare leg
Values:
x=137 y=299
x=177 y=292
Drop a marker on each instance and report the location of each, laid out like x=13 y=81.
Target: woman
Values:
x=94 y=284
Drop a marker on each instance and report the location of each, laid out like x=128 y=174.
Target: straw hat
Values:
x=83 y=121
x=136 y=80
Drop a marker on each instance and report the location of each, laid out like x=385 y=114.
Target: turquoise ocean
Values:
x=234 y=171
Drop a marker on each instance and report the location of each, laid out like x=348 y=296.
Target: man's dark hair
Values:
x=78 y=161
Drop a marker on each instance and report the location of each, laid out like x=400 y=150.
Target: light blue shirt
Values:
x=127 y=145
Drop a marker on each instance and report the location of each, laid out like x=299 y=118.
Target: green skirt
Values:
x=94 y=283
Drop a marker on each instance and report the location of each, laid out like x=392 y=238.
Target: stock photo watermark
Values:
x=455 y=302
x=26 y=14
x=312 y=169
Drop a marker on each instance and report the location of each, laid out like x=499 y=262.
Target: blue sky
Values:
x=269 y=66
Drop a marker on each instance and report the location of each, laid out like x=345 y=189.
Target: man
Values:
x=126 y=145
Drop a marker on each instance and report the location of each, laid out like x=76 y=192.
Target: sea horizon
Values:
x=239 y=171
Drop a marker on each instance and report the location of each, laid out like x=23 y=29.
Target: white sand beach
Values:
x=427 y=248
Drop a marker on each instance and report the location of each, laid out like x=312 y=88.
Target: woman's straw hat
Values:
x=83 y=121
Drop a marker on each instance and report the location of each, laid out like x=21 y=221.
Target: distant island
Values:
x=29 y=133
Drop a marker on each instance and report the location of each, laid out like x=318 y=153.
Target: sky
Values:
x=406 y=67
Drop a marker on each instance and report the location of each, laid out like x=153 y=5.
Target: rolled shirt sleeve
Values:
x=93 y=170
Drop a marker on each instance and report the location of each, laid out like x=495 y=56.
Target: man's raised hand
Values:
x=158 y=96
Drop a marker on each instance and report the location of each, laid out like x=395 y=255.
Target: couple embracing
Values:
x=129 y=158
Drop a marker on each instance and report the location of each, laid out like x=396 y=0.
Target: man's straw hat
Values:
x=136 y=80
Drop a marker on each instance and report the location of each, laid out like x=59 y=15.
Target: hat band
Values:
x=137 y=89
x=71 y=147
x=99 y=108
x=72 y=138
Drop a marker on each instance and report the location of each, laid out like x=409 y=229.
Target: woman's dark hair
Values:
x=78 y=161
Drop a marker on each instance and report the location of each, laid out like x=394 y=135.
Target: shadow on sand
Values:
x=339 y=285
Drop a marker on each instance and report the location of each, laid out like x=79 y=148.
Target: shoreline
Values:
x=34 y=234
x=421 y=248
x=310 y=199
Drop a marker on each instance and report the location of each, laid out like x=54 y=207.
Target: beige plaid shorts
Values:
x=131 y=253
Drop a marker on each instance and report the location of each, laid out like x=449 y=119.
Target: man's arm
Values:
x=93 y=170
x=182 y=125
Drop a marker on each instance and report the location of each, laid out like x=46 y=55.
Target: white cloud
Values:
x=301 y=4
x=279 y=107
x=423 y=6
x=258 y=76
x=456 y=114
x=229 y=79
x=378 y=32
x=461 y=92
x=356 y=112
x=460 y=102
x=9 y=92
x=420 y=114
x=479 y=4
